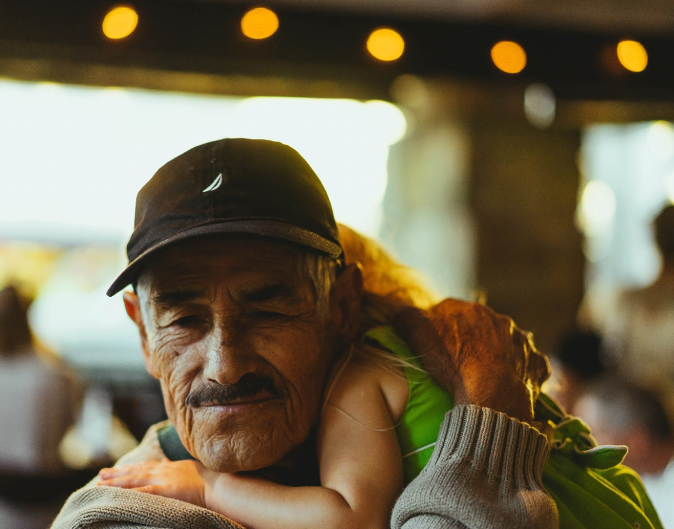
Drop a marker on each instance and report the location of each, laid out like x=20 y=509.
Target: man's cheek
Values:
x=179 y=385
x=177 y=371
x=293 y=348
x=302 y=360
x=175 y=390
x=174 y=351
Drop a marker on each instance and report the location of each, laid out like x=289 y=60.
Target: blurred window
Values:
x=77 y=156
x=628 y=177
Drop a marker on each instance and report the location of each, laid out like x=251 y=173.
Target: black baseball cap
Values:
x=231 y=186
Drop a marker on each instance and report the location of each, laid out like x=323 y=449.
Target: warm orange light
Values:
x=120 y=22
x=259 y=23
x=385 y=44
x=509 y=56
x=632 y=55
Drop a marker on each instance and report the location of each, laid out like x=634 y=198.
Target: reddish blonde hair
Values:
x=388 y=286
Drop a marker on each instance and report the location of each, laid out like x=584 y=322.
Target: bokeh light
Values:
x=539 y=105
x=597 y=208
x=508 y=56
x=385 y=44
x=632 y=55
x=660 y=140
x=120 y=22
x=259 y=23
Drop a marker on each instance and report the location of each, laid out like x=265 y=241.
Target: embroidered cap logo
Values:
x=216 y=183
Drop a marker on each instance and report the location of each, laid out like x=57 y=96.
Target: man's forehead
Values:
x=237 y=261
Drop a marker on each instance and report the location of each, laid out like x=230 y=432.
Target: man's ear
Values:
x=132 y=305
x=346 y=295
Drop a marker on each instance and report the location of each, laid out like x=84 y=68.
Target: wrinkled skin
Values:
x=480 y=356
x=218 y=312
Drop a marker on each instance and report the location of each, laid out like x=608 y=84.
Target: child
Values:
x=377 y=430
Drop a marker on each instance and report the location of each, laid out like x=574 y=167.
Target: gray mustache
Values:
x=250 y=385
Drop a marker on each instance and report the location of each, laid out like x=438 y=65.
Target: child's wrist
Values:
x=210 y=478
x=214 y=490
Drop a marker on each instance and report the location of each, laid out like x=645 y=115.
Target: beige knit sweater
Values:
x=111 y=508
x=485 y=473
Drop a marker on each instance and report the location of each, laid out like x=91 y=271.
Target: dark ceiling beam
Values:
x=319 y=47
x=646 y=17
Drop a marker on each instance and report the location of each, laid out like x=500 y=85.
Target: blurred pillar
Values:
x=478 y=198
x=524 y=192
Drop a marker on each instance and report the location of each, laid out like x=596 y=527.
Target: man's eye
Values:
x=187 y=321
x=268 y=315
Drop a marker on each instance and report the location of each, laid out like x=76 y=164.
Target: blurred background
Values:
x=513 y=151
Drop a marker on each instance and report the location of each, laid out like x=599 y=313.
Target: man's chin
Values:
x=247 y=455
x=241 y=438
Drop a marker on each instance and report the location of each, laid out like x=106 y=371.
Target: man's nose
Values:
x=227 y=359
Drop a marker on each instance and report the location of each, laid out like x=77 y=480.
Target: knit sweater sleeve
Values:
x=485 y=473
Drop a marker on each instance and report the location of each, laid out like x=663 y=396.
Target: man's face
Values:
x=231 y=329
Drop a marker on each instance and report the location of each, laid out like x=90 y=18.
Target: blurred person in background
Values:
x=622 y=413
x=37 y=395
x=639 y=329
x=38 y=401
x=577 y=361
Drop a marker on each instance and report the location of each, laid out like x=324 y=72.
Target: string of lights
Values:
x=385 y=44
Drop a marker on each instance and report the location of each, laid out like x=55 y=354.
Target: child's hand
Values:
x=181 y=480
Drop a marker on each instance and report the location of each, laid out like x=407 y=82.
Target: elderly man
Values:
x=243 y=300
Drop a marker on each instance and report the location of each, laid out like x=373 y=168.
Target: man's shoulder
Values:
x=148 y=449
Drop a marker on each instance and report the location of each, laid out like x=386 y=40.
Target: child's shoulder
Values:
x=366 y=378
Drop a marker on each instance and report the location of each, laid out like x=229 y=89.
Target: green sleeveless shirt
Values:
x=427 y=403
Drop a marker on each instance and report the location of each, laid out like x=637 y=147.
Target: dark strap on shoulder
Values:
x=170 y=444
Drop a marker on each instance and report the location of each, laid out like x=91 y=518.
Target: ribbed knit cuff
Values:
x=486 y=472
x=504 y=448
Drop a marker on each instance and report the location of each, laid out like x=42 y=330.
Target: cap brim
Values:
x=266 y=228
